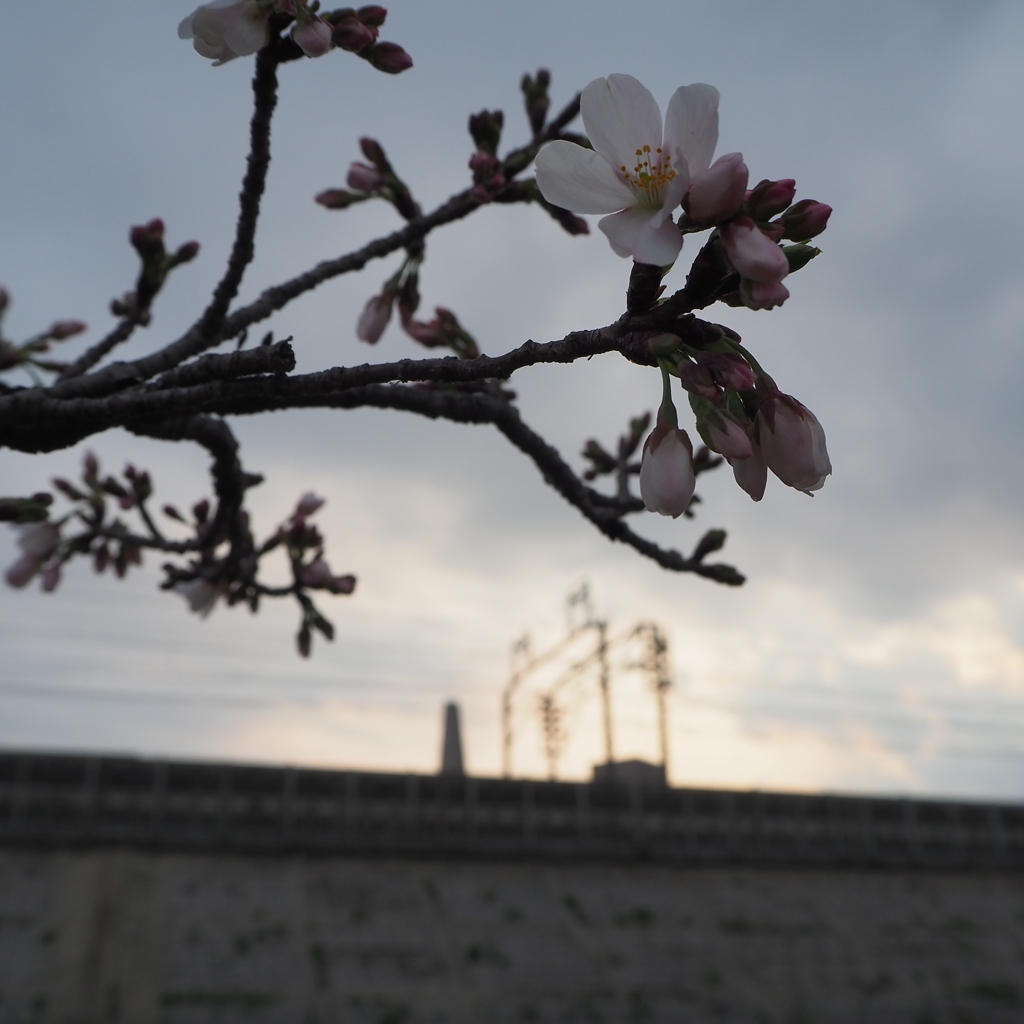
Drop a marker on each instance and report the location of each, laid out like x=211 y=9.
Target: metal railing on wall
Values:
x=63 y=801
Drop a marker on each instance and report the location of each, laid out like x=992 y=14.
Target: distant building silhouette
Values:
x=451 y=750
x=631 y=773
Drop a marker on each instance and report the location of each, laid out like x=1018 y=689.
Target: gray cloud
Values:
x=904 y=337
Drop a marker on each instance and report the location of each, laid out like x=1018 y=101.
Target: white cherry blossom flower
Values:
x=201 y=595
x=37 y=542
x=225 y=29
x=638 y=171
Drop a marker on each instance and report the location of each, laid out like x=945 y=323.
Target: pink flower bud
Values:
x=309 y=503
x=338 y=198
x=374 y=152
x=793 y=443
x=666 y=471
x=753 y=254
x=725 y=436
x=376 y=316
x=767 y=198
x=351 y=34
x=66 y=329
x=39 y=540
x=751 y=473
x=147 y=234
x=51 y=579
x=805 y=220
x=388 y=57
x=364 y=178
x=313 y=37
x=484 y=165
x=344 y=584
x=22 y=571
x=318 y=574
x=372 y=14
x=429 y=334
x=728 y=370
x=763 y=294
x=186 y=252
x=697 y=380
x=719 y=192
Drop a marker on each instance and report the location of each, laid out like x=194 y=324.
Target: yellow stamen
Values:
x=647 y=178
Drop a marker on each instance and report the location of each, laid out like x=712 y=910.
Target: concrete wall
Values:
x=69 y=801
x=116 y=935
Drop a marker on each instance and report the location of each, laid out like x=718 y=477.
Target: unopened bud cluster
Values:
x=402 y=289
x=48 y=544
x=226 y=29
x=741 y=414
x=488 y=178
x=310 y=570
x=148 y=241
x=375 y=178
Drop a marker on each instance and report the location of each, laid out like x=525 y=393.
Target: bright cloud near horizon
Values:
x=878 y=644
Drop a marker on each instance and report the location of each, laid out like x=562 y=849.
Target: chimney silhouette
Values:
x=451 y=751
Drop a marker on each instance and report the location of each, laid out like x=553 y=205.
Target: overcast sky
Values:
x=878 y=642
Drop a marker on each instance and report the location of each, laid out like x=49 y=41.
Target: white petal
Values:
x=247 y=31
x=752 y=252
x=185 y=27
x=631 y=233
x=751 y=473
x=620 y=116
x=578 y=179
x=218 y=52
x=677 y=187
x=691 y=124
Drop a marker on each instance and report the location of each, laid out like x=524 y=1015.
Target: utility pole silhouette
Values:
x=551 y=704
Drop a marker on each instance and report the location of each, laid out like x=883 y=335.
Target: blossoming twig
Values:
x=632 y=166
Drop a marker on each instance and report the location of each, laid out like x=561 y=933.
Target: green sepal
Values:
x=799 y=255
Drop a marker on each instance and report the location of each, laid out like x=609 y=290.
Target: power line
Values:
x=46 y=691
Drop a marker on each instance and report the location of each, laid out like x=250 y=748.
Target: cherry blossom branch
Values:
x=273 y=299
x=268 y=358
x=483 y=405
x=120 y=334
x=177 y=393
x=709 y=277
x=264 y=88
x=205 y=332
x=229 y=479
x=134 y=307
x=35 y=421
x=38 y=421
